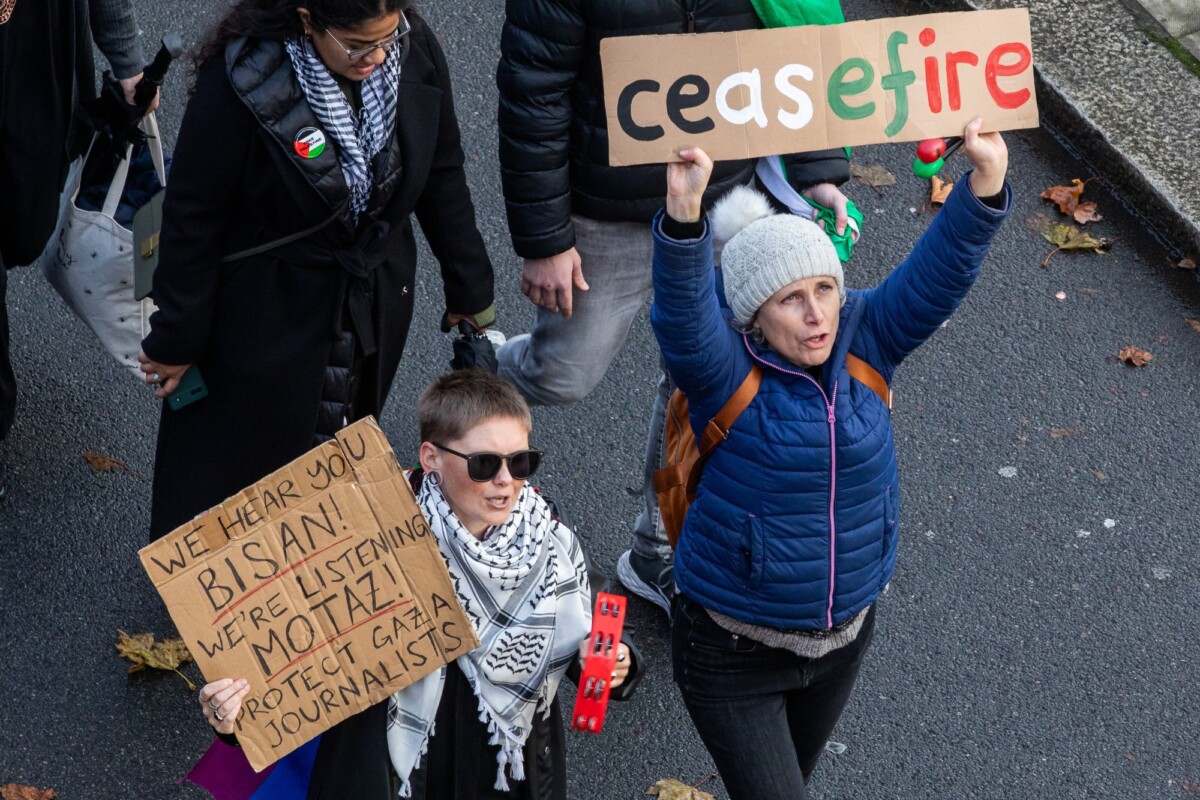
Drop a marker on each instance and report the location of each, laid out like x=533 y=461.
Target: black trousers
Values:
x=8 y=381
x=763 y=713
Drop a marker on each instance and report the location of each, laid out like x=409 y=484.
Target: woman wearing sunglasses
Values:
x=316 y=129
x=487 y=726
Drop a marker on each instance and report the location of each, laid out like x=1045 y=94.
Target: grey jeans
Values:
x=562 y=360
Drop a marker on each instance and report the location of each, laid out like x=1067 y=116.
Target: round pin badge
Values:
x=309 y=143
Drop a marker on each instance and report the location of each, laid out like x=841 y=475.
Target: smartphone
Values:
x=190 y=389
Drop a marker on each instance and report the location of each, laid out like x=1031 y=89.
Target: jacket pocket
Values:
x=754 y=551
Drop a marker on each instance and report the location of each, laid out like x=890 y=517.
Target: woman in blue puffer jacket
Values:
x=792 y=535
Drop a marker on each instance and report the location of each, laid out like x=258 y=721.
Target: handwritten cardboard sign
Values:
x=788 y=90
x=322 y=585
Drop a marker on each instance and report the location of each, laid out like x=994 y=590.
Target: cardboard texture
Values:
x=788 y=90
x=322 y=585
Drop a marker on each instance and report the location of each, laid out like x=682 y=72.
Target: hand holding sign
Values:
x=989 y=156
x=686 y=182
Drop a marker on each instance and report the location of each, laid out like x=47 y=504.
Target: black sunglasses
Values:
x=482 y=467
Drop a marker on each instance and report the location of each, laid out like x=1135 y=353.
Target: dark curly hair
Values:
x=277 y=19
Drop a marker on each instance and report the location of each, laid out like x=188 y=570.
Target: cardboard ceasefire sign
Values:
x=789 y=90
x=322 y=585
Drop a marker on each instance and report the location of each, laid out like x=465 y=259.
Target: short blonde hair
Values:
x=458 y=401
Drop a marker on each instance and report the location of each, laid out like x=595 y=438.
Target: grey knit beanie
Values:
x=764 y=251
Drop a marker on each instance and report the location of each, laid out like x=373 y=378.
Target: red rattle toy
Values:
x=591 y=702
x=932 y=155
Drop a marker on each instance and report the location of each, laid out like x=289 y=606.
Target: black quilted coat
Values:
x=553 y=134
x=292 y=340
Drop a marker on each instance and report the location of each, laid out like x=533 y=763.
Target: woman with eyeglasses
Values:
x=285 y=283
x=488 y=725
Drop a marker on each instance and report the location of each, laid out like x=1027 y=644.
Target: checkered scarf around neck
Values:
x=360 y=136
x=525 y=589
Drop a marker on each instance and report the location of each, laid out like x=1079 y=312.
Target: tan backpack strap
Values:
x=717 y=429
x=865 y=373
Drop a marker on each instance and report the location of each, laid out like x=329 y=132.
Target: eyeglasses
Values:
x=482 y=467
x=401 y=31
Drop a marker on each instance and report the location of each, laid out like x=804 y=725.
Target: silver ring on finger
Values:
x=213 y=705
x=218 y=717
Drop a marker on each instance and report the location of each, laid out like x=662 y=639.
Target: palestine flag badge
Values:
x=309 y=143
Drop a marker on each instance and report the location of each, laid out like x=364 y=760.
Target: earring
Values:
x=434 y=479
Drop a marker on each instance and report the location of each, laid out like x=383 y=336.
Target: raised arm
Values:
x=698 y=344
x=926 y=288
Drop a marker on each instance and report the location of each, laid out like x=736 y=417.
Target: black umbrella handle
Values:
x=152 y=77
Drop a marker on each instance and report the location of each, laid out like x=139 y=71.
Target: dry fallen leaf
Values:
x=1067 y=200
x=1195 y=323
x=1189 y=786
x=1059 y=433
x=1130 y=756
x=1187 y=263
x=1066 y=237
x=1098 y=475
x=939 y=190
x=873 y=175
x=671 y=789
x=143 y=651
x=16 y=791
x=1088 y=291
x=103 y=463
x=1135 y=356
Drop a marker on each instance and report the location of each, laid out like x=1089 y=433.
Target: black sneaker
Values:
x=651 y=579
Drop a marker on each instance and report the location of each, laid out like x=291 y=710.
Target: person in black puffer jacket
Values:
x=582 y=227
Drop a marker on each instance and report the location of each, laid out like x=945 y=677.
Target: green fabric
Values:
x=784 y=14
x=842 y=242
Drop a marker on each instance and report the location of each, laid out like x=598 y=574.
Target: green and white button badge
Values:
x=309 y=142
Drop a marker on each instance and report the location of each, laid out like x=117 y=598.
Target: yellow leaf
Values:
x=1059 y=433
x=143 y=651
x=17 y=791
x=940 y=190
x=671 y=789
x=1135 y=356
x=1195 y=323
x=1065 y=236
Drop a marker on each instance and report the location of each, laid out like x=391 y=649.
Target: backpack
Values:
x=675 y=483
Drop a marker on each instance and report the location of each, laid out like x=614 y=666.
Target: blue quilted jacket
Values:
x=795 y=519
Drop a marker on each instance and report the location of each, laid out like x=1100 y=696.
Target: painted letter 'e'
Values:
x=840 y=88
x=994 y=69
x=678 y=102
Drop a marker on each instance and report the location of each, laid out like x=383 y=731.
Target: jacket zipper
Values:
x=689 y=12
x=830 y=405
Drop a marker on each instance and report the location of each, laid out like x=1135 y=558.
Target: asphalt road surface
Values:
x=1039 y=639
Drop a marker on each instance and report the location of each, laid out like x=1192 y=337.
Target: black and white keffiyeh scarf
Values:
x=360 y=136
x=525 y=589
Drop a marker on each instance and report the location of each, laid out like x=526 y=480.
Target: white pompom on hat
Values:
x=764 y=251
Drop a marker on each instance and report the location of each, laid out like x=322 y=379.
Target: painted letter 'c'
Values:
x=640 y=133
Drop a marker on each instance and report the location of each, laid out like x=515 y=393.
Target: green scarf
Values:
x=784 y=14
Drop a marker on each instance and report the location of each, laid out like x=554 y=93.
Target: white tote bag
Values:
x=89 y=260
